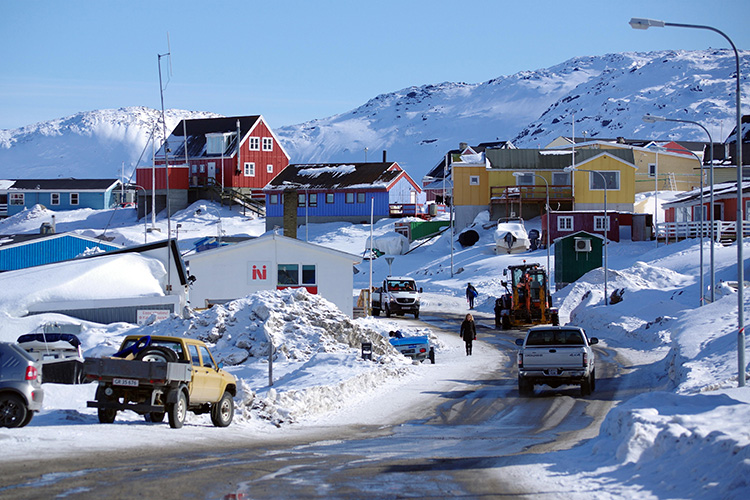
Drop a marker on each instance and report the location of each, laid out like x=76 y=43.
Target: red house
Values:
x=230 y=158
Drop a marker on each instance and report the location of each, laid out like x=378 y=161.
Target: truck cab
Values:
x=396 y=295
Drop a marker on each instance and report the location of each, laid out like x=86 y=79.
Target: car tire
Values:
x=155 y=417
x=156 y=353
x=387 y=312
x=375 y=312
x=525 y=388
x=506 y=322
x=223 y=411
x=431 y=355
x=177 y=411
x=106 y=415
x=29 y=416
x=593 y=380
x=13 y=411
x=586 y=386
x=416 y=314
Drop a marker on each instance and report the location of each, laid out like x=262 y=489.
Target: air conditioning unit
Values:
x=582 y=244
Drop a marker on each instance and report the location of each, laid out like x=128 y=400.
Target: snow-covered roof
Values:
x=338 y=176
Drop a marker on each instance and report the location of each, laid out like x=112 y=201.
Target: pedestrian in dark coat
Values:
x=468 y=332
x=471 y=294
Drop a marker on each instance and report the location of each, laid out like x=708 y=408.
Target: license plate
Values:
x=128 y=382
x=554 y=371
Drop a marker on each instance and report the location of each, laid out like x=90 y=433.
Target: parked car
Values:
x=21 y=392
x=397 y=295
x=417 y=347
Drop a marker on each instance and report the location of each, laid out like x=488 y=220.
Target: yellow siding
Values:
x=466 y=194
x=624 y=195
x=686 y=170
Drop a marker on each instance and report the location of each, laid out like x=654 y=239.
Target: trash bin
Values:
x=367 y=350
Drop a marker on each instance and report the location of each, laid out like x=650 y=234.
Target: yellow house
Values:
x=589 y=183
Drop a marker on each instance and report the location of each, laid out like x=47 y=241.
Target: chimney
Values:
x=462 y=146
x=384 y=156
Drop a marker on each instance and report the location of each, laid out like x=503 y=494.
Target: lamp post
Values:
x=712 y=280
x=220 y=230
x=606 y=222
x=546 y=184
x=640 y=23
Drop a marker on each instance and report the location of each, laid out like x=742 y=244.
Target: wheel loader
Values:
x=528 y=301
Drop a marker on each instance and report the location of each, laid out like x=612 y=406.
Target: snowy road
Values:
x=450 y=431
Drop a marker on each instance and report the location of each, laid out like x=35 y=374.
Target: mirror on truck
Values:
x=519 y=342
x=420 y=289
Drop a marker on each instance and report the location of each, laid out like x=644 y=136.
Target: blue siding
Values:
x=46 y=251
x=339 y=207
x=96 y=200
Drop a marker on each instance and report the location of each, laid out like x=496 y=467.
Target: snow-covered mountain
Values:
x=91 y=144
x=607 y=95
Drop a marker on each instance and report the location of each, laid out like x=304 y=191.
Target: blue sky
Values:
x=294 y=61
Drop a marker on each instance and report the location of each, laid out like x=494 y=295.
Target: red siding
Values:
x=178 y=177
x=261 y=158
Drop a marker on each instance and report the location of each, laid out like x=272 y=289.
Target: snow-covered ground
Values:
x=688 y=439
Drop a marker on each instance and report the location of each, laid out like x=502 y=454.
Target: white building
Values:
x=271 y=262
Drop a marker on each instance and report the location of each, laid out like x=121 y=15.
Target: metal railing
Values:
x=503 y=194
x=693 y=229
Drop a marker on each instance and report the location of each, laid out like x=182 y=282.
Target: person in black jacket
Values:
x=468 y=332
x=471 y=294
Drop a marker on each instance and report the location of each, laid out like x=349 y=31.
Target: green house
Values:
x=575 y=255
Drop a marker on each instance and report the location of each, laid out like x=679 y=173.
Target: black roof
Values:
x=335 y=175
x=196 y=135
x=439 y=168
x=67 y=184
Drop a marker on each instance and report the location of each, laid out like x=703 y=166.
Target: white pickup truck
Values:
x=397 y=295
x=555 y=356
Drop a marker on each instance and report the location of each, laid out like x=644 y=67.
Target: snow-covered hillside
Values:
x=608 y=95
x=91 y=144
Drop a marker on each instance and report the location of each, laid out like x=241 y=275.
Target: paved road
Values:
x=443 y=449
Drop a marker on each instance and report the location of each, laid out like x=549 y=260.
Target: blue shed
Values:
x=21 y=251
x=59 y=194
x=333 y=192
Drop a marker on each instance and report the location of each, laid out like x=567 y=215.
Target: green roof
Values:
x=546 y=159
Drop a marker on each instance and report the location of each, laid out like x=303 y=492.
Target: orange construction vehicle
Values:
x=528 y=301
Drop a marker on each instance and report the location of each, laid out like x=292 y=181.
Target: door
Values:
x=212 y=170
x=212 y=376
x=198 y=377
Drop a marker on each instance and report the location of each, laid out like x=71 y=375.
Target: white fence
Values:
x=681 y=230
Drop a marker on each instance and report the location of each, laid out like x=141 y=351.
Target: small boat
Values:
x=511 y=236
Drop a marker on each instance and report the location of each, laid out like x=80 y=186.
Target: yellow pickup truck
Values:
x=158 y=375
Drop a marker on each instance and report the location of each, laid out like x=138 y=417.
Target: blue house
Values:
x=20 y=251
x=57 y=194
x=328 y=192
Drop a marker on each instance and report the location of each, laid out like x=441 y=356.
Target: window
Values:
x=16 y=198
x=329 y=197
x=651 y=170
x=74 y=198
x=208 y=361
x=194 y=358
x=565 y=223
x=273 y=199
x=599 y=223
x=301 y=200
x=560 y=179
x=269 y=169
x=313 y=199
x=249 y=169
x=203 y=168
x=522 y=180
x=596 y=183
x=55 y=198
x=350 y=197
x=253 y=143
x=288 y=274
x=268 y=144
x=473 y=180
x=361 y=197
x=308 y=275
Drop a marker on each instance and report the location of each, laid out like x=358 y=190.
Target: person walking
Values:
x=468 y=332
x=471 y=294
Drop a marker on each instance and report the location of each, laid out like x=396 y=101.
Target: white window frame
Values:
x=194 y=168
x=268 y=144
x=54 y=199
x=473 y=180
x=652 y=170
x=595 y=178
x=525 y=180
x=269 y=169
x=273 y=199
x=599 y=222
x=249 y=170
x=202 y=168
x=560 y=176
x=74 y=199
x=565 y=223
x=253 y=143
x=330 y=198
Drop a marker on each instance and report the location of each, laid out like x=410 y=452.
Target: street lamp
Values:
x=606 y=222
x=654 y=119
x=521 y=174
x=640 y=23
x=220 y=230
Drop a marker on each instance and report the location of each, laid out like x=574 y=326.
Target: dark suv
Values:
x=21 y=392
